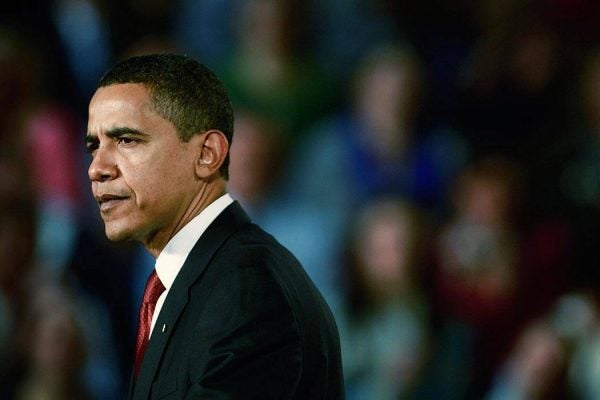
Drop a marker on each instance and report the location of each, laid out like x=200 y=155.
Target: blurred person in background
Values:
x=130 y=21
x=476 y=280
x=374 y=148
x=256 y=159
x=378 y=146
x=385 y=333
x=17 y=241
x=271 y=69
x=581 y=176
x=82 y=27
x=52 y=347
x=495 y=270
x=205 y=29
x=40 y=131
x=536 y=367
x=343 y=31
x=579 y=180
x=515 y=99
x=512 y=83
x=555 y=356
x=577 y=318
x=579 y=183
x=18 y=201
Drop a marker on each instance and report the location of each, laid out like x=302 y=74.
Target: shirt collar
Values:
x=171 y=258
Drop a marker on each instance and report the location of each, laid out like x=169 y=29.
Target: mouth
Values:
x=106 y=202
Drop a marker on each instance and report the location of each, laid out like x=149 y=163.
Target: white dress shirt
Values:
x=171 y=258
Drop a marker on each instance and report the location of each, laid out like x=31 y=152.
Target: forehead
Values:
x=120 y=105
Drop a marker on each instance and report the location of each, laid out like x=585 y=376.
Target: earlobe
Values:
x=213 y=151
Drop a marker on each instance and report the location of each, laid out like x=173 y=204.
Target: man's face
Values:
x=142 y=174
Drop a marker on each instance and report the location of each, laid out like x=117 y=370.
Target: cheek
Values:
x=139 y=184
x=151 y=193
x=158 y=177
x=161 y=189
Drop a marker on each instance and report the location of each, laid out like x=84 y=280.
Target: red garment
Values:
x=154 y=288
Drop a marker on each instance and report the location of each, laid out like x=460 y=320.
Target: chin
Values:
x=117 y=237
x=118 y=234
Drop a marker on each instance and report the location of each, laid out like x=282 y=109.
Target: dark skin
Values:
x=148 y=182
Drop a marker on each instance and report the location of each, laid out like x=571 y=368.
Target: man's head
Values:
x=183 y=91
x=159 y=129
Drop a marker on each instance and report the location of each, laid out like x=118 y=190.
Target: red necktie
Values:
x=154 y=288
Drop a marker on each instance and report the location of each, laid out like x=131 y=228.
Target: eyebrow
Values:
x=122 y=131
x=91 y=139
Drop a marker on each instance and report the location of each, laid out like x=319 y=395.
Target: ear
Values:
x=213 y=149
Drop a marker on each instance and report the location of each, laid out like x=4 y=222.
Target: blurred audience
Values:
x=536 y=368
x=256 y=159
x=488 y=260
x=52 y=349
x=386 y=332
x=515 y=96
x=205 y=29
x=476 y=260
x=41 y=132
x=17 y=241
x=270 y=69
x=448 y=150
x=343 y=31
x=579 y=179
x=577 y=319
x=478 y=248
x=82 y=28
x=378 y=146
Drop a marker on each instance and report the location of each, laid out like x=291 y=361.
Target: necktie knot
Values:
x=154 y=289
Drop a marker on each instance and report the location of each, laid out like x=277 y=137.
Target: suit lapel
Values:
x=228 y=222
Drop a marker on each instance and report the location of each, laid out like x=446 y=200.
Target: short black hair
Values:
x=182 y=91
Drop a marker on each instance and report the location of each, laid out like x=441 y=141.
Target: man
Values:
x=230 y=313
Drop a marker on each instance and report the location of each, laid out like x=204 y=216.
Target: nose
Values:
x=103 y=167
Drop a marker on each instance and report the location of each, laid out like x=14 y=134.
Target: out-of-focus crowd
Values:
x=435 y=165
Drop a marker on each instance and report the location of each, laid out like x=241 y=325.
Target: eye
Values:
x=91 y=146
x=126 y=141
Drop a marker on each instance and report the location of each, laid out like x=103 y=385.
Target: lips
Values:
x=108 y=201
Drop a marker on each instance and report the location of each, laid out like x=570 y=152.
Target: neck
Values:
x=208 y=193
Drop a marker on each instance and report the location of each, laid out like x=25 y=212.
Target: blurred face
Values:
x=383 y=92
x=56 y=343
x=535 y=59
x=387 y=100
x=487 y=202
x=142 y=174
x=384 y=254
x=253 y=158
x=262 y=24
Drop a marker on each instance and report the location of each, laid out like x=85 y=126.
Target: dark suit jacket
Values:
x=241 y=321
